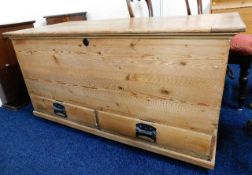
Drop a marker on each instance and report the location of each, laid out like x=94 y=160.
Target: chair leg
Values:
x=244 y=73
x=248 y=127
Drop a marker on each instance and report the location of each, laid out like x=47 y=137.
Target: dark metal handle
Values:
x=146 y=132
x=59 y=110
x=85 y=42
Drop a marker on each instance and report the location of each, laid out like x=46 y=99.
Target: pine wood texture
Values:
x=243 y=7
x=160 y=81
x=75 y=113
x=171 y=81
x=195 y=142
x=207 y=23
x=133 y=142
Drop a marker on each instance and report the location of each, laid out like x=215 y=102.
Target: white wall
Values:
x=21 y=10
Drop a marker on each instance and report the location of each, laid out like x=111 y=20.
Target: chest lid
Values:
x=194 y=25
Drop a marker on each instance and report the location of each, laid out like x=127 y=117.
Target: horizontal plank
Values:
x=135 y=54
x=194 y=117
x=100 y=47
x=174 y=89
x=191 y=142
x=207 y=23
x=132 y=142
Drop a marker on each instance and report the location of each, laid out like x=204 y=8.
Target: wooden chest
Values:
x=13 y=92
x=153 y=83
x=243 y=7
x=54 y=19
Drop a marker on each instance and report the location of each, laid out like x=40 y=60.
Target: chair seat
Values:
x=241 y=44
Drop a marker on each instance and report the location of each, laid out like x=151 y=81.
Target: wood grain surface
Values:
x=75 y=113
x=134 y=142
x=197 y=144
x=171 y=85
x=207 y=23
x=110 y=75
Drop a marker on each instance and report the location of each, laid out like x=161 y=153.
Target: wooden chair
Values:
x=130 y=10
x=199 y=5
x=241 y=53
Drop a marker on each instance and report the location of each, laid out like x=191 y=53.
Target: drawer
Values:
x=172 y=138
x=78 y=114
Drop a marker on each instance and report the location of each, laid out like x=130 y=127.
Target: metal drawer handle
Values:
x=146 y=132
x=59 y=110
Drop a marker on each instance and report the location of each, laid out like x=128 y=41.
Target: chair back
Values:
x=199 y=6
x=148 y=3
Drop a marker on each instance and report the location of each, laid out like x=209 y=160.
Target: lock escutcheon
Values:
x=86 y=42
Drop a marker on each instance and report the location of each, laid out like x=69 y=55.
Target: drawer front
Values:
x=184 y=141
x=178 y=82
x=67 y=111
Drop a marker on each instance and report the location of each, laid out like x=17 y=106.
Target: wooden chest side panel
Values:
x=194 y=143
x=78 y=114
x=178 y=82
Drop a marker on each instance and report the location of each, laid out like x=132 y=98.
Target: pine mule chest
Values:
x=152 y=83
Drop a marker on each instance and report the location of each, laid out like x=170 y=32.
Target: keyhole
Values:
x=86 y=42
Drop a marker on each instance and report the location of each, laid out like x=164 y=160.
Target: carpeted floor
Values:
x=29 y=145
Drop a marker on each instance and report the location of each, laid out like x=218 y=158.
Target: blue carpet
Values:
x=29 y=145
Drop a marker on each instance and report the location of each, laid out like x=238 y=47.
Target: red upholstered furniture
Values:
x=241 y=53
x=241 y=44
